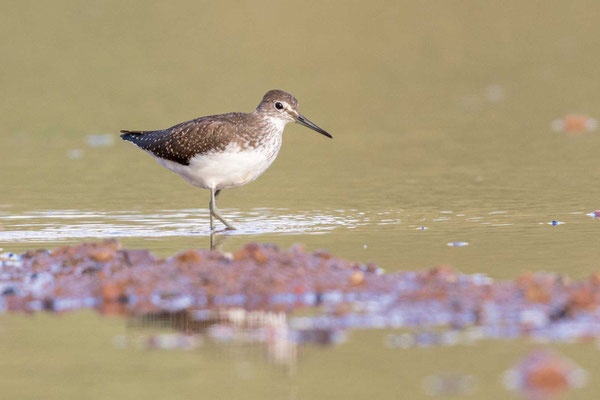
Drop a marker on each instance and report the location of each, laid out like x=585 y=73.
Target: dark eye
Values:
x=278 y=105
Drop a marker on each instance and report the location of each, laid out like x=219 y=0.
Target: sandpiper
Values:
x=224 y=151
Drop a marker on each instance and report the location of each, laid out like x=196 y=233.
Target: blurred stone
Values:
x=543 y=375
x=575 y=124
x=449 y=385
x=458 y=244
x=100 y=140
x=189 y=256
x=335 y=294
x=75 y=154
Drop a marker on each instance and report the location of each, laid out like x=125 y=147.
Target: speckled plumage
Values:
x=227 y=150
x=212 y=133
x=180 y=143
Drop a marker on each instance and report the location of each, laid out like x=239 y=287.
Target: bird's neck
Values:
x=271 y=124
x=277 y=124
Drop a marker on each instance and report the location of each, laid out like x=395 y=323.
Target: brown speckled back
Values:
x=182 y=142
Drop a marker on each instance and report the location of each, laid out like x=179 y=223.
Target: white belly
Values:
x=223 y=170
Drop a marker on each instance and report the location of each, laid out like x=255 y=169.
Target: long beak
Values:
x=302 y=120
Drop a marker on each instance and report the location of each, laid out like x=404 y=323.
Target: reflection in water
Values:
x=218 y=238
x=283 y=298
x=231 y=326
x=268 y=330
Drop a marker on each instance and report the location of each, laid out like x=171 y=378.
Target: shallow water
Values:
x=500 y=243
x=442 y=117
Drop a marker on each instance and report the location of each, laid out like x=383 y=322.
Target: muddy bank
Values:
x=204 y=285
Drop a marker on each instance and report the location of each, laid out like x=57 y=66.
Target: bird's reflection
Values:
x=263 y=329
x=217 y=238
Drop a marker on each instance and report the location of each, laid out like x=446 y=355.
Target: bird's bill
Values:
x=302 y=120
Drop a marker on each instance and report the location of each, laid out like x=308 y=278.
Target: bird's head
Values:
x=283 y=107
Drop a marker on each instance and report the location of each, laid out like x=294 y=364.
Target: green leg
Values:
x=210 y=211
x=214 y=211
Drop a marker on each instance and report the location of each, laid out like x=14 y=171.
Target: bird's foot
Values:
x=218 y=216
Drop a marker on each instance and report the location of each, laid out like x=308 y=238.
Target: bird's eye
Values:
x=278 y=105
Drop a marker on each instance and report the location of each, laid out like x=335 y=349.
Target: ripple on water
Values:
x=62 y=225
x=54 y=225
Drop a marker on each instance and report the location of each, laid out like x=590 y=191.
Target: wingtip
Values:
x=125 y=135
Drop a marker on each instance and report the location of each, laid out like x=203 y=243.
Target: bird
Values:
x=224 y=151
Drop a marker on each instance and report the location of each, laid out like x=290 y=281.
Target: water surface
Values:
x=442 y=116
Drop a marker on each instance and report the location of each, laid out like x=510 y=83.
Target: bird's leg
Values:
x=210 y=210
x=212 y=238
x=215 y=211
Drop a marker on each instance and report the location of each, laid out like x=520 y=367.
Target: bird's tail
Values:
x=131 y=135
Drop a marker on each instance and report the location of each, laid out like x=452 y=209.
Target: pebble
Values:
x=262 y=286
x=449 y=385
x=101 y=140
x=543 y=374
x=575 y=124
x=457 y=244
x=75 y=154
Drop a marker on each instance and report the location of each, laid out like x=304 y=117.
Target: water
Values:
x=443 y=118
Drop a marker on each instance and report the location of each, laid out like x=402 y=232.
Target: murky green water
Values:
x=442 y=117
